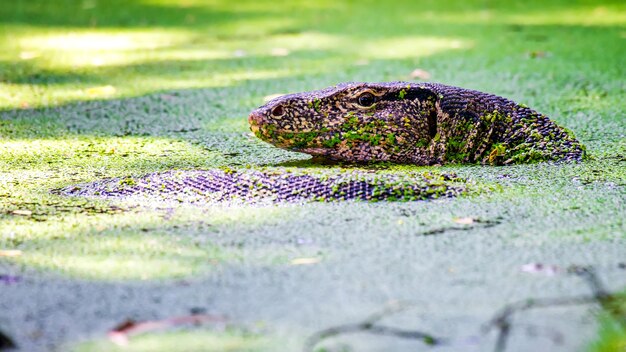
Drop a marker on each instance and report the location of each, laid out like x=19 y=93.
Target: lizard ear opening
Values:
x=432 y=123
x=425 y=95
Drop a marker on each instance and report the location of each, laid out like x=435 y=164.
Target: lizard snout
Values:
x=255 y=119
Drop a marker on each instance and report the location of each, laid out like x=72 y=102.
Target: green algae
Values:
x=497 y=152
x=577 y=202
x=495 y=117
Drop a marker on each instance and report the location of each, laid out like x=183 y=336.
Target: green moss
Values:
x=497 y=152
x=228 y=170
x=350 y=123
x=332 y=142
x=611 y=336
x=55 y=130
x=371 y=132
x=494 y=117
x=316 y=104
x=570 y=134
x=304 y=139
x=269 y=131
x=530 y=155
x=455 y=149
x=128 y=181
x=422 y=143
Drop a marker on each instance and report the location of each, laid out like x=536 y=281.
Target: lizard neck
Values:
x=476 y=127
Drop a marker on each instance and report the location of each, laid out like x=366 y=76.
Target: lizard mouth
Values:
x=313 y=151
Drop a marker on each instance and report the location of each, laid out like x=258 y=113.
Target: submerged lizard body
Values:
x=418 y=123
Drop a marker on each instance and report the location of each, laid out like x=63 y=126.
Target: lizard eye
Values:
x=278 y=111
x=366 y=99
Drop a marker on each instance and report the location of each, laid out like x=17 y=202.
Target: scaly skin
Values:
x=417 y=123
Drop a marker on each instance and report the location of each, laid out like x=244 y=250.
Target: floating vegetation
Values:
x=276 y=185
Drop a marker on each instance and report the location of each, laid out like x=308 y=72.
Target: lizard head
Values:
x=351 y=121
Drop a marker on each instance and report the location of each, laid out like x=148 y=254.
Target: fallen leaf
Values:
x=271 y=97
x=279 y=52
x=10 y=252
x=101 y=91
x=362 y=62
x=22 y=212
x=419 y=73
x=464 y=221
x=121 y=333
x=538 y=268
x=305 y=261
x=24 y=105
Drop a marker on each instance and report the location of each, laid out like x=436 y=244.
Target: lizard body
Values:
x=416 y=123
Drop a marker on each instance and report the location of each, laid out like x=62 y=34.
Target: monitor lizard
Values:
x=412 y=123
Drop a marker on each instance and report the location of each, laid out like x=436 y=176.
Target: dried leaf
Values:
x=305 y=261
x=22 y=212
x=10 y=252
x=420 y=74
x=464 y=221
x=121 y=333
x=538 y=268
x=101 y=91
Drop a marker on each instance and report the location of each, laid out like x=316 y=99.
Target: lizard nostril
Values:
x=254 y=118
x=278 y=111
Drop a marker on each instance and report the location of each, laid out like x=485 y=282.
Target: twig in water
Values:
x=611 y=303
x=608 y=302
